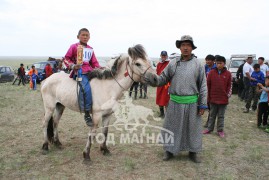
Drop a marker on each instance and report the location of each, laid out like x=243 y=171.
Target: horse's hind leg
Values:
x=56 y=118
x=103 y=146
x=48 y=120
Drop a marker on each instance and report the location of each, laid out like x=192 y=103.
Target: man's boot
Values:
x=194 y=157
x=135 y=95
x=161 y=112
x=145 y=96
x=167 y=156
x=140 y=93
x=88 y=119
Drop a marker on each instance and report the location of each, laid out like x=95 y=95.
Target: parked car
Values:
x=235 y=61
x=40 y=67
x=6 y=74
x=174 y=56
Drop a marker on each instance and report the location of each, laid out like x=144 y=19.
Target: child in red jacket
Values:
x=162 y=95
x=219 y=83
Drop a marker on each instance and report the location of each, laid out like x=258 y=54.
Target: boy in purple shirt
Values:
x=89 y=63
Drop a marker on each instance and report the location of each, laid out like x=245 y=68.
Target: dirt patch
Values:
x=243 y=154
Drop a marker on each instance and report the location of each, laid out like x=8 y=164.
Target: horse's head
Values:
x=139 y=64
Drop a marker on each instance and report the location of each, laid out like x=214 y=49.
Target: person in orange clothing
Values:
x=48 y=70
x=162 y=96
x=33 y=76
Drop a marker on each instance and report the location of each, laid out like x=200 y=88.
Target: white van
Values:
x=235 y=61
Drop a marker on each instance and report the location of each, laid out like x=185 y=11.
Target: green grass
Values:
x=226 y=176
x=233 y=145
x=129 y=164
x=255 y=154
x=243 y=154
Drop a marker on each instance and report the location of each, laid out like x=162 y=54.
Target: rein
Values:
x=118 y=82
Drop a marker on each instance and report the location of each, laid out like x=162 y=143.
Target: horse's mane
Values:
x=135 y=52
x=107 y=73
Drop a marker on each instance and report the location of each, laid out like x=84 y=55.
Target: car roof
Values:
x=4 y=66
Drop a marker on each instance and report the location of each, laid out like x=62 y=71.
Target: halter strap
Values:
x=127 y=64
x=128 y=71
x=136 y=73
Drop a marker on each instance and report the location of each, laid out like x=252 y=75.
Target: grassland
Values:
x=242 y=154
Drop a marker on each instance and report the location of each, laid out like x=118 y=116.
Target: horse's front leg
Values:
x=91 y=135
x=103 y=146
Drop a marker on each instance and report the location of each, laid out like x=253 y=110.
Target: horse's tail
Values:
x=50 y=130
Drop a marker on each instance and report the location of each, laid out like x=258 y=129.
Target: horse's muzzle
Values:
x=151 y=79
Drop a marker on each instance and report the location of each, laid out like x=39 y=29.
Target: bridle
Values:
x=127 y=73
x=141 y=76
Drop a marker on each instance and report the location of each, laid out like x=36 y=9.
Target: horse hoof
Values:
x=44 y=152
x=106 y=152
x=58 y=144
x=45 y=146
x=86 y=156
x=87 y=162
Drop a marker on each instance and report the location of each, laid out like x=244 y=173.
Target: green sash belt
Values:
x=184 y=99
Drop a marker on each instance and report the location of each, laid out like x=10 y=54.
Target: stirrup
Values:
x=88 y=120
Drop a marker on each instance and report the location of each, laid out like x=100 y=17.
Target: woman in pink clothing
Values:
x=89 y=63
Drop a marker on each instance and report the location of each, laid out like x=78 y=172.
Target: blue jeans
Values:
x=87 y=93
x=34 y=84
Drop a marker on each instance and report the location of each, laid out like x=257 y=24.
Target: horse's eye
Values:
x=137 y=64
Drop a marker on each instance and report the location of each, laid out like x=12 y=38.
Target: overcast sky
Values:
x=49 y=27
